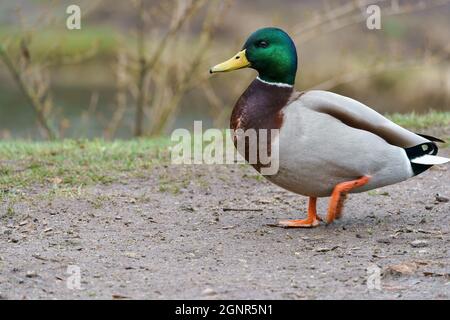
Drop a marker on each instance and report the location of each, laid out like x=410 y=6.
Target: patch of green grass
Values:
x=257 y=177
x=447 y=142
x=378 y=193
x=10 y=212
x=170 y=188
x=421 y=121
x=170 y=184
x=70 y=163
x=98 y=202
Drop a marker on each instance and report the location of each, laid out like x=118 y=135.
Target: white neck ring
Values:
x=277 y=84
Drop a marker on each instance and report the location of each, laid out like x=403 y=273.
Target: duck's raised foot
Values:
x=339 y=195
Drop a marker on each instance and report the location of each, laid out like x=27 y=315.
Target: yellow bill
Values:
x=239 y=61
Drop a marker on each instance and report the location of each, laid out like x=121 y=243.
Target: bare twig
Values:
x=333 y=14
x=381 y=68
x=140 y=104
x=177 y=23
x=344 y=16
x=145 y=65
x=162 y=117
x=32 y=98
x=219 y=112
x=121 y=95
x=241 y=209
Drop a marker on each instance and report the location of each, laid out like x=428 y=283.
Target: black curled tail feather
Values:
x=422 y=149
x=431 y=138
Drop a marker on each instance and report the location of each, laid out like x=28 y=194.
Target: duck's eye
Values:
x=262 y=44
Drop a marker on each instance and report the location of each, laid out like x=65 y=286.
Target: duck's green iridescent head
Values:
x=271 y=52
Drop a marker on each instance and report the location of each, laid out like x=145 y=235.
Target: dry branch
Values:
x=31 y=96
x=161 y=118
x=349 y=77
x=146 y=65
x=344 y=16
x=122 y=81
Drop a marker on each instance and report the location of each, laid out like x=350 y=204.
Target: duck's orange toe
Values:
x=313 y=220
x=305 y=223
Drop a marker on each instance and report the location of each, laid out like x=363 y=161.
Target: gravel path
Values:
x=203 y=232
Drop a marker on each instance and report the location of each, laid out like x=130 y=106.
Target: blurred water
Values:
x=17 y=119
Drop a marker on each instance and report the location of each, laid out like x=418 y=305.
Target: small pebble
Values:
x=419 y=243
x=22 y=223
x=441 y=198
x=208 y=292
x=384 y=240
x=14 y=239
x=325 y=249
x=31 y=274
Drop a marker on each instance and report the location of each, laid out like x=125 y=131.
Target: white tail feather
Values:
x=430 y=160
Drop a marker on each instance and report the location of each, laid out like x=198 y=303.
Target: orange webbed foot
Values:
x=313 y=220
x=304 y=223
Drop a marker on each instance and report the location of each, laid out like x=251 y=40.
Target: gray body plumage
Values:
x=317 y=150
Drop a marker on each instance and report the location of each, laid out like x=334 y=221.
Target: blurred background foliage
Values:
x=140 y=68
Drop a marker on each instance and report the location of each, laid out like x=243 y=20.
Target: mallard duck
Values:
x=328 y=145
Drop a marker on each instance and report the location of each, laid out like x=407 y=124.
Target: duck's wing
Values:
x=360 y=116
x=420 y=149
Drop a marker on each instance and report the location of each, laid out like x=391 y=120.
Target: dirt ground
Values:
x=203 y=232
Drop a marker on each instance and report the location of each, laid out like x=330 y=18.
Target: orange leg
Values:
x=339 y=194
x=340 y=205
x=312 y=220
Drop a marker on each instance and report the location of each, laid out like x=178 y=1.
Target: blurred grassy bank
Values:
x=61 y=42
x=77 y=163
x=421 y=121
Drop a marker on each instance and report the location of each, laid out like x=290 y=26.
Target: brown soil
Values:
x=205 y=233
